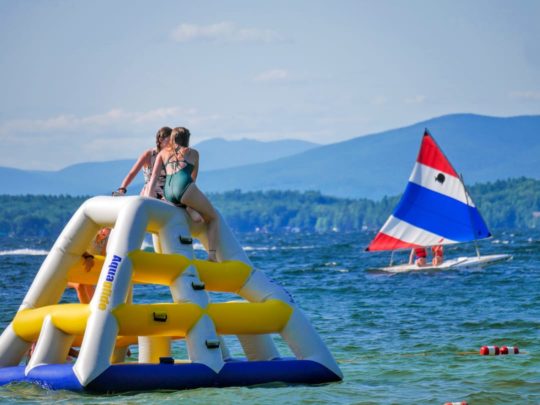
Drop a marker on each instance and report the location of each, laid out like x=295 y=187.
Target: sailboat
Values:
x=435 y=209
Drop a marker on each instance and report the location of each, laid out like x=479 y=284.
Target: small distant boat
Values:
x=435 y=209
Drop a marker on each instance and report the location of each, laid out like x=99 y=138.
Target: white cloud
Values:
x=161 y=114
x=63 y=123
x=111 y=119
x=272 y=75
x=526 y=95
x=418 y=99
x=222 y=32
x=54 y=142
x=379 y=100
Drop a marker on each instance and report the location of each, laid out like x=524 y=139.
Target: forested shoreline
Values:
x=504 y=204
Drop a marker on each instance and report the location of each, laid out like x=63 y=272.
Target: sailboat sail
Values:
x=435 y=208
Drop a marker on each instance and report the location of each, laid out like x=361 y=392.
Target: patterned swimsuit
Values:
x=147 y=173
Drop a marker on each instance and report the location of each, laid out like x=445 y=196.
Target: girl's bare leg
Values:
x=194 y=198
x=195 y=216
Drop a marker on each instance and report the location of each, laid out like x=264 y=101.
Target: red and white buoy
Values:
x=509 y=350
x=457 y=403
x=489 y=350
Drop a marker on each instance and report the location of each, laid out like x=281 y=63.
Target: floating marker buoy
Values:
x=489 y=351
x=457 y=403
x=509 y=350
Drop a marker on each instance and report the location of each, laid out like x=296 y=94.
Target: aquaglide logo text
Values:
x=107 y=285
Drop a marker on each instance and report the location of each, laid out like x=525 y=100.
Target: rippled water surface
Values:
x=404 y=338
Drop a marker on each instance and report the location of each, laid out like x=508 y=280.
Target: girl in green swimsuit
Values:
x=179 y=176
x=181 y=164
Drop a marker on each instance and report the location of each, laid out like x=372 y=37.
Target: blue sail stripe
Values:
x=440 y=214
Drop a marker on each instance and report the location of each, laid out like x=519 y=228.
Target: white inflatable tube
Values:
x=113 y=285
x=50 y=281
x=12 y=347
x=52 y=346
x=306 y=343
x=200 y=344
x=299 y=333
x=189 y=288
x=182 y=288
x=256 y=347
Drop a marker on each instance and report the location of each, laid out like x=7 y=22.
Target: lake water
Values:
x=405 y=338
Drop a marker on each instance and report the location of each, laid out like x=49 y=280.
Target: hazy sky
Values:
x=94 y=80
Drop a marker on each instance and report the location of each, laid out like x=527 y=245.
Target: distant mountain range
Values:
x=218 y=153
x=481 y=148
x=102 y=177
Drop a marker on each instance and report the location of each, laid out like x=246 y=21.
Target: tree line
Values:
x=504 y=204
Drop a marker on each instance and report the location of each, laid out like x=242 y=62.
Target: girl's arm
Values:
x=149 y=189
x=143 y=159
x=195 y=164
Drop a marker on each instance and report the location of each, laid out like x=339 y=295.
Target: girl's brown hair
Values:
x=161 y=134
x=180 y=137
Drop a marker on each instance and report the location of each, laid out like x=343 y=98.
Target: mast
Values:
x=470 y=217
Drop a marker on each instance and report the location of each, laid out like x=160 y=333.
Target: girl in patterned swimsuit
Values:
x=146 y=162
x=181 y=164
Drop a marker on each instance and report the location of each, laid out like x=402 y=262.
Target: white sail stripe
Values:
x=398 y=229
x=451 y=187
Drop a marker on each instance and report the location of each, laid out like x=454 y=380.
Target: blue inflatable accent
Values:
x=12 y=374
x=149 y=377
x=279 y=370
x=55 y=377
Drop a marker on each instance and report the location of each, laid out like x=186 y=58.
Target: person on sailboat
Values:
x=438 y=253
x=419 y=255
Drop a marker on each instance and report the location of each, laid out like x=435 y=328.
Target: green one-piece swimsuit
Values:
x=178 y=182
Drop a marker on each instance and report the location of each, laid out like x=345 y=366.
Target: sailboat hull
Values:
x=460 y=262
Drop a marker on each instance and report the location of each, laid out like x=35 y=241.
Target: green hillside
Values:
x=505 y=204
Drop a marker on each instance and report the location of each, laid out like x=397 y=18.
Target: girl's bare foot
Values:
x=212 y=256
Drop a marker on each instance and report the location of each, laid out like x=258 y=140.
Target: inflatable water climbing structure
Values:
x=112 y=321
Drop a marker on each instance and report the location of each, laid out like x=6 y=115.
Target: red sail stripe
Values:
x=430 y=155
x=386 y=242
